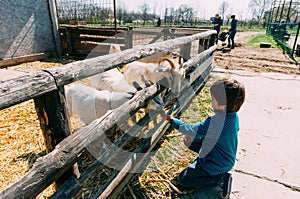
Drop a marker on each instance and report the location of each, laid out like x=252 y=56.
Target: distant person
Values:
x=232 y=31
x=218 y=22
x=214 y=139
x=158 y=23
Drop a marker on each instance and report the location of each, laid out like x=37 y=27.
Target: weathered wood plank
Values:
x=48 y=168
x=132 y=164
x=78 y=70
x=179 y=31
x=111 y=152
x=198 y=59
x=93 y=30
x=129 y=38
x=18 y=60
x=200 y=70
x=54 y=20
x=25 y=87
x=55 y=124
x=118 y=40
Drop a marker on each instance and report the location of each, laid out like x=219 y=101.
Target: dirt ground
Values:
x=245 y=57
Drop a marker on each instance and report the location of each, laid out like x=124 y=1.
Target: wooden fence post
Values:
x=201 y=46
x=206 y=44
x=69 y=41
x=212 y=40
x=55 y=124
x=185 y=51
x=55 y=24
x=129 y=38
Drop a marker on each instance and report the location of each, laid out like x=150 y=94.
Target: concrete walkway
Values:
x=268 y=160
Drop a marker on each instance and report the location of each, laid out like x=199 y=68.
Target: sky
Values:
x=205 y=8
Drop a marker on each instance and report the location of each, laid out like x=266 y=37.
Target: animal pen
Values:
x=65 y=149
x=283 y=24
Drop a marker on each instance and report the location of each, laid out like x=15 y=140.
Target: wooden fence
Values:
x=94 y=41
x=64 y=149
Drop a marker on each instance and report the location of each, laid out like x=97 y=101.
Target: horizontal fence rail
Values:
x=59 y=160
x=33 y=85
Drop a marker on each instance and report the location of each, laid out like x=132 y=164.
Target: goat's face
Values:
x=178 y=75
x=114 y=48
x=171 y=77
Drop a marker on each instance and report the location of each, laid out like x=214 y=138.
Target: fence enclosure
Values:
x=283 y=25
x=64 y=149
x=95 y=41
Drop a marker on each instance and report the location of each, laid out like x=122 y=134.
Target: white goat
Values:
x=89 y=104
x=170 y=76
x=112 y=80
x=172 y=54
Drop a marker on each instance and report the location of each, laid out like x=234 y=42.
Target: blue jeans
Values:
x=194 y=176
x=231 y=38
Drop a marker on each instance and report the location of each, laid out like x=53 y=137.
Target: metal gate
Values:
x=283 y=22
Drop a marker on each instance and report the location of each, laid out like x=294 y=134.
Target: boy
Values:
x=215 y=138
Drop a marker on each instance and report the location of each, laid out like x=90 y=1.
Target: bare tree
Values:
x=145 y=9
x=224 y=8
x=258 y=8
x=184 y=14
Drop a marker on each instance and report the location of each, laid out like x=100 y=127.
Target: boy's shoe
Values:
x=226 y=188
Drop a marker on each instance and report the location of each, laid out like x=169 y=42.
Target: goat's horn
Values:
x=168 y=60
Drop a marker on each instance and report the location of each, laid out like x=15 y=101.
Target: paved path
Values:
x=268 y=160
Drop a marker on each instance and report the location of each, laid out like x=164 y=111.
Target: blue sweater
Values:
x=220 y=133
x=233 y=25
x=219 y=22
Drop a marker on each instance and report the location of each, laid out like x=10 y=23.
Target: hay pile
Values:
x=21 y=139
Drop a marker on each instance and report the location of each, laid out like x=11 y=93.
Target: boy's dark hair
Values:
x=232 y=17
x=230 y=93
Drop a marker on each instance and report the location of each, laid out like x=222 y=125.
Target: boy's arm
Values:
x=187 y=129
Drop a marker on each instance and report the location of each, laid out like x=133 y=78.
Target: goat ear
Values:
x=130 y=93
x=147 y=82
x=137 y=86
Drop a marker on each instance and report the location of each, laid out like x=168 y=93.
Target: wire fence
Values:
x=89 y=11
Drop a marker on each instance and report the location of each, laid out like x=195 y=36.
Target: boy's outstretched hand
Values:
x=166 y=117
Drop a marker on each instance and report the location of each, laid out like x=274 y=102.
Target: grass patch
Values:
x=255 y=41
